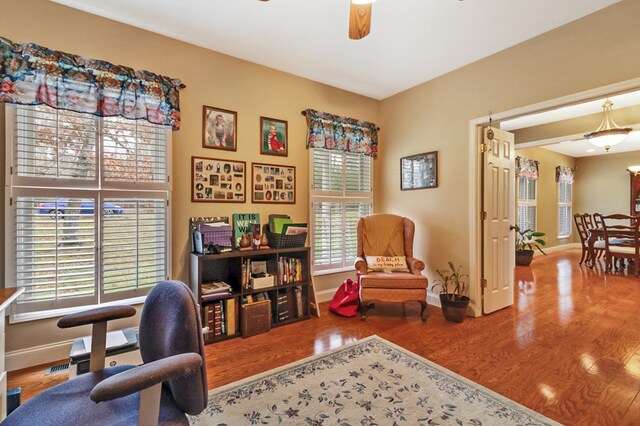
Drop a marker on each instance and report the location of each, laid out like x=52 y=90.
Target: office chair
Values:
x=171 y=382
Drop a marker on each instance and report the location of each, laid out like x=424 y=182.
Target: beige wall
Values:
x=604 y=183
x=432 y=116
x=435 y=116
x=547 y=197
x=212 y=79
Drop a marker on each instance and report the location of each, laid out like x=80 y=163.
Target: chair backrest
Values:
x=170 y=324
x=621 y=230
x=580 y=226
x=597 y=220
x=385 y=235
x=587 y=219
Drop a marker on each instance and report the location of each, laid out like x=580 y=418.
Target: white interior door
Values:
x=499 y=215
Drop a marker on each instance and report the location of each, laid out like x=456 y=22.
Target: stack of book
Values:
x=289 y=270
x=220 y=318
x=215 y=290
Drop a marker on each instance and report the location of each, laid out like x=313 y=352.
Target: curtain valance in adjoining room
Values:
x=331 y=131
x=526 y=168
x=565 y=174
x=31 y=75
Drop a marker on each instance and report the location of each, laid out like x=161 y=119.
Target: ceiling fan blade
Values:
x=359 y=20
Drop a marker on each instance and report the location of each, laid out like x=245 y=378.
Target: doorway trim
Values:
x=475 y=179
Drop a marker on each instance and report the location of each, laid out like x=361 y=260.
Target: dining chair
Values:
x=622 y=240
x=584 y=238
x=596 y=251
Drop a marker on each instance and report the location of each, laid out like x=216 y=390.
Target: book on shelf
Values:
x=294 y=228
x=215 y=287
x=299 y=308
x=230 y=305
x=282 y=306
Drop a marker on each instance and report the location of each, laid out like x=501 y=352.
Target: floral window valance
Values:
x=31 y=74
x=341 y=133
x=565 y=174
x=526 y=168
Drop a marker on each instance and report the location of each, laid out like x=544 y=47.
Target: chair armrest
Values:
x=360 y=264
x=93 y=316
x=145 y=376
x=415 y=265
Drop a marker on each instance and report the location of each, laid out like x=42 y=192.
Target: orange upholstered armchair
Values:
x=388 y=271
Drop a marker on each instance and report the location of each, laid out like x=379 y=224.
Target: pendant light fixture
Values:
x=608 y=134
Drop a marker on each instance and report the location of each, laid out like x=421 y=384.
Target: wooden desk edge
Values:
x=8 y=296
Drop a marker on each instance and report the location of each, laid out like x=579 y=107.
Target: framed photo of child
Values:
x=219 y=128
x=273 y=134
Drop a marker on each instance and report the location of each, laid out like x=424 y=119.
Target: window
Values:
x=565 y=190
x=341 y=192
x=527 y=189
x=89 y=207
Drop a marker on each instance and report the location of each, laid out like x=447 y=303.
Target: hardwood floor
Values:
x=568 y=348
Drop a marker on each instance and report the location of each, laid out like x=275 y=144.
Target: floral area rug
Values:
x=370 y=382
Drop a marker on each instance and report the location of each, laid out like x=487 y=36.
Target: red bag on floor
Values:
x=346 y=300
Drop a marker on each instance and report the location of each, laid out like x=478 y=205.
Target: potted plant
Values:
x=526 y=242
x=453 y=286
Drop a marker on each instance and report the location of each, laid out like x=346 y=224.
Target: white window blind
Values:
x=341 y=193
x=527 y=204
x=66 y=252
x=565 y=214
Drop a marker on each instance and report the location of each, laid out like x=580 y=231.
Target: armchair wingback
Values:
x=387 y=240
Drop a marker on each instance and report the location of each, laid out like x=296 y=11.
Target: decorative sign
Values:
x=214 y=180
x=271 y=183
x=244 y=223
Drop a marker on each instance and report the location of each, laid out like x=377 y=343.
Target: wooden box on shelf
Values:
x=224 y=313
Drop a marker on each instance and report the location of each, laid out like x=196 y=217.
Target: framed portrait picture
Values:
x=214 y=180
x=272 y=183
x=219 y=128
x=274 y=139
x=419 y=171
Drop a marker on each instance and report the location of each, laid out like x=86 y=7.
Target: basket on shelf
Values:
x=220 y=235
x=283 y=240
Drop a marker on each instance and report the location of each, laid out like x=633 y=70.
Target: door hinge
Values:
x=483 y=147
x=483 y=282
x=167 y=203
x=483 y=215
x=11 y=201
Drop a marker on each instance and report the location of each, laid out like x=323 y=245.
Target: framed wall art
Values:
x=274 y=139
x=271 y=183
x=214 y=180
x=219 y=128
x=419 y=171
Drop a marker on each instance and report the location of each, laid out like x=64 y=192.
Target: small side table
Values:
x=7 y=297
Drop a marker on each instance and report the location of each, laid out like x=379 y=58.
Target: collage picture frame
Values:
x=216 y=180
x=273 y=183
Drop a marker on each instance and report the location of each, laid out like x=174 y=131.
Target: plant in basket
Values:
x=453 y=286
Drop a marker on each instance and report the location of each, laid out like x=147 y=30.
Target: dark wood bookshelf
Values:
x=228 y=267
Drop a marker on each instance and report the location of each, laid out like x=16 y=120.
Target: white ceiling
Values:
x=411 y=41
x=576 y=145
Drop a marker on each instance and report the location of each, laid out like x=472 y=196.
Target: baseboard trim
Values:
x=36 y=355
x=326 y=295
x=558 y=248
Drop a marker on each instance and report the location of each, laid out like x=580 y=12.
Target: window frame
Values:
x=98 y=188
x=529 y=202
x=563 y=204
x=342 y=197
